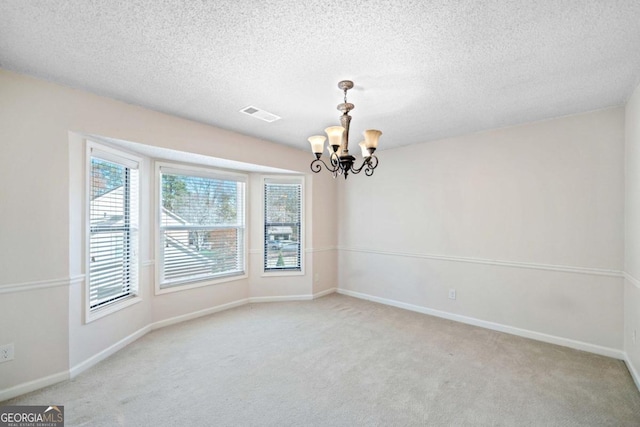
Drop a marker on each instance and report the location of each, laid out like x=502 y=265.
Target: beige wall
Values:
x=42 y=198
x=632 y=233
x=526 y=223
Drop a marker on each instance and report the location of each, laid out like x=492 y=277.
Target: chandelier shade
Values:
x=340 y=161
x=317 y=143
x=335 y=135
x=371 y=138
x=363 y=148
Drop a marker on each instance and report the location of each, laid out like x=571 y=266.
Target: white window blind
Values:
x=113 y=229
x=202 y=227
x=282 y=225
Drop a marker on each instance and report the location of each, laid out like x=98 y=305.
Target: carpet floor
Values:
x=341 y=361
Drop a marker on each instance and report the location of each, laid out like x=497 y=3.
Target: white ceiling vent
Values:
x=260 y=114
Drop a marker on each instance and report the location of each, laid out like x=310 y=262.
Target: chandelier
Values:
x=340 y=161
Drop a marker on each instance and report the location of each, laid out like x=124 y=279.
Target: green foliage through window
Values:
x=202 y=228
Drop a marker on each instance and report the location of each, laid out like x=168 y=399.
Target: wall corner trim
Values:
x=525 y=333
x=325 y=293
x=632 y=371
x=629 y=278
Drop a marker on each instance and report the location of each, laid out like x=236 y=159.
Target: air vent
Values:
x=260 y=114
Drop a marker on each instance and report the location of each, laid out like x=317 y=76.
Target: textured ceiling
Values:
x=423 y=69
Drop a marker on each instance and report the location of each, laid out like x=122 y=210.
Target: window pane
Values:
x=195 y=255
x=202 y=228
x=195 y=200
x=109 y=271
x=112 y=236
x=282 y=226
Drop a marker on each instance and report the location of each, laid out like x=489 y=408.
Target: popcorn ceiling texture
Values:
x=423 y=70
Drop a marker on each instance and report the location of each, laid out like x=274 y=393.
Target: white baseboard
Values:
x=566 y=342
x=292 y=297
x=30 y=386
x=194 y=315
x=632 y=370
x=20 y=389
x=93 y=360
x=324 y=293
x=281 y=298
x=74 y=371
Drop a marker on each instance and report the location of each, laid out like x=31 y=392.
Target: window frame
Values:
x=280 y=179
x=204 y=172
x=130 y=161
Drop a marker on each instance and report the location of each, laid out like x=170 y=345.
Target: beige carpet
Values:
x=340 y=361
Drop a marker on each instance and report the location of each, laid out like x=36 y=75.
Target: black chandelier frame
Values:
x=343 y=163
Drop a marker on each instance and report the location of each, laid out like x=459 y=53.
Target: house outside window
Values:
x=283 y=213
x=201 y=226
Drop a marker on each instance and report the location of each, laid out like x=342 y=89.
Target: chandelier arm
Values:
x=373 y=161
x=355 y=170
x=368 y=163
x=337 y=166
x=335 y=162
x=371 y=165
x=316 y=166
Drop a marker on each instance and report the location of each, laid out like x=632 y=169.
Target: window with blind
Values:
x=282 y=225
x=113 y=228
x=202 y=226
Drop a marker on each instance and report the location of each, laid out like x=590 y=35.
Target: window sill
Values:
x=111 y=308
x=282 y=273
x=193 y=285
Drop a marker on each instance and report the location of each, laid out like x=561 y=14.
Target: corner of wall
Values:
x=632 y=236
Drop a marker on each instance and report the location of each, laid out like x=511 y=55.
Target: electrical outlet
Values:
x=316 y=277
x=452 y=294
x=634 y=336
x=6 y=352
